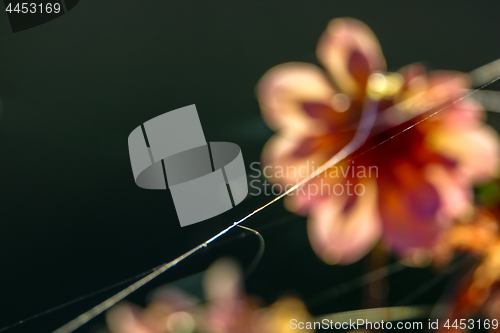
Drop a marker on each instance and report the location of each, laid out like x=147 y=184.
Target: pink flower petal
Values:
x=455 y=194
x=475 y=149
x=409 y=215
x=284 y=89
x=282 y=166
x=344 y=237
x=350 y=52
x=125 y=318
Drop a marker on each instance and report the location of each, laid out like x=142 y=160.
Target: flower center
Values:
x=381 y=86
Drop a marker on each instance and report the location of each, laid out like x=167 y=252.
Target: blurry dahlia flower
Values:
x=405 y=190
x=226 y=309
x=478 y=292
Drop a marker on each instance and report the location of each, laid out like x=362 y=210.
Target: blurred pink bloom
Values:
x=420 y=180
x=226 y=310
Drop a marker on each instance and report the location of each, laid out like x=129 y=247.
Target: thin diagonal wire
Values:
x=428 y=117
x=346 y=287
x=260 y=253
x=78 y=299
x=365 y=125
x=445 y=302
x=138 y=276
x=367 y=120
x=378 y=314
x=429 y=284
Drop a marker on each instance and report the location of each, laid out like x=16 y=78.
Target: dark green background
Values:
x=72 y=220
